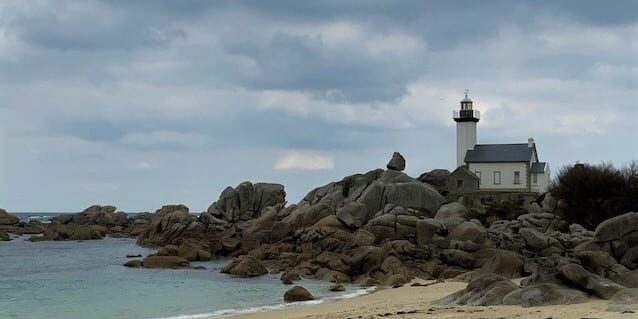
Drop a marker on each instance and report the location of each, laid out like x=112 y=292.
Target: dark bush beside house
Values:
x=591 y=194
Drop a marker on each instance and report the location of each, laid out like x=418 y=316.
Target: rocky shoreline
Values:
x=379 y=228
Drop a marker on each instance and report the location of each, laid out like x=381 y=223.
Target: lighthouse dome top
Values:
x=466 y=98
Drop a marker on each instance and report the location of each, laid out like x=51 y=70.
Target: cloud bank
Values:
x=144 y=103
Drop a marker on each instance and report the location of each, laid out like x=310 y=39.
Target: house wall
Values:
x=507 y=175
x=465 y=140
x=542 y=184
x=469 y=183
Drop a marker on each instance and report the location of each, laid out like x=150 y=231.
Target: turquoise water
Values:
x=85 y=280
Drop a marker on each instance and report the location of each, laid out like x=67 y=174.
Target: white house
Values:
x=499 y=167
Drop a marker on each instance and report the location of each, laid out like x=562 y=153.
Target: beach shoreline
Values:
x=418 y=302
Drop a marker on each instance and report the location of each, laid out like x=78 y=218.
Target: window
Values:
x=478 y=174
x=517 y=177
x=459 y=183
x=497 y=178
x=535 y=178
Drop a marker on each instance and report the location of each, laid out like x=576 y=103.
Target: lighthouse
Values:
x=466 y=119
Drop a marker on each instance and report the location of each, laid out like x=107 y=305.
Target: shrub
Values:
x=594 y=193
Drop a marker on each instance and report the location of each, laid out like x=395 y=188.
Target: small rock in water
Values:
x=133 y=255
x=287 y=278
x=165 y=262
x=297 y=293
x=337 y=287
x=133 y=263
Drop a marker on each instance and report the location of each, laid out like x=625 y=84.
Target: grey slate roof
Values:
x=538 y=167
x=499 y=153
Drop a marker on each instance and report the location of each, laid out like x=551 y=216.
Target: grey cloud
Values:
x=143 y=103
x=93 y=26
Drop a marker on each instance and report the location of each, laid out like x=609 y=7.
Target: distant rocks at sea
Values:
x=95 y=222
x=4 y=236
x=11 y=224
x=7 y=219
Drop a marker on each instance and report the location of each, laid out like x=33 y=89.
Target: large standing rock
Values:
x=436 y=178
x=623 y=227
x=468 y=231
x=457 y=257
x=246 y=201
x=541 y=222
x=419 y=196
x=503 y=262
x=534 y=239
x=7 y=219
x=296 y=294
x=545 y=294
x=599 y=286
x=167 y=225
x=397 y=162
x=482 y=290
x=172 y=262
x=454 y=209
x=245 y=266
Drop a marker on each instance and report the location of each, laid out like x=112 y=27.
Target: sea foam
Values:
x=230 y=312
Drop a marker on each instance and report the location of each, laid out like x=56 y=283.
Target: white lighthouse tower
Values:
x=466 y=119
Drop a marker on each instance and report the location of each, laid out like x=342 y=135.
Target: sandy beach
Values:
x=416 y=302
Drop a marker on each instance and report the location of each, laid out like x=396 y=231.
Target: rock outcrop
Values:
x=4 y=236
x=624 y=301
x=246 y=201
x=437 y=178
x=7 y=219
x=482 y=290
x=384 y=227
x=93 y=223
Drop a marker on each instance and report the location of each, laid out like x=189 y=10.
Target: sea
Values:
x=86 y=280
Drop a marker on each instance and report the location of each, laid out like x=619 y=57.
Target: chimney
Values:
x=530 y=142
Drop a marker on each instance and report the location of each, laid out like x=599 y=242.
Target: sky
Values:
x=145 y=103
